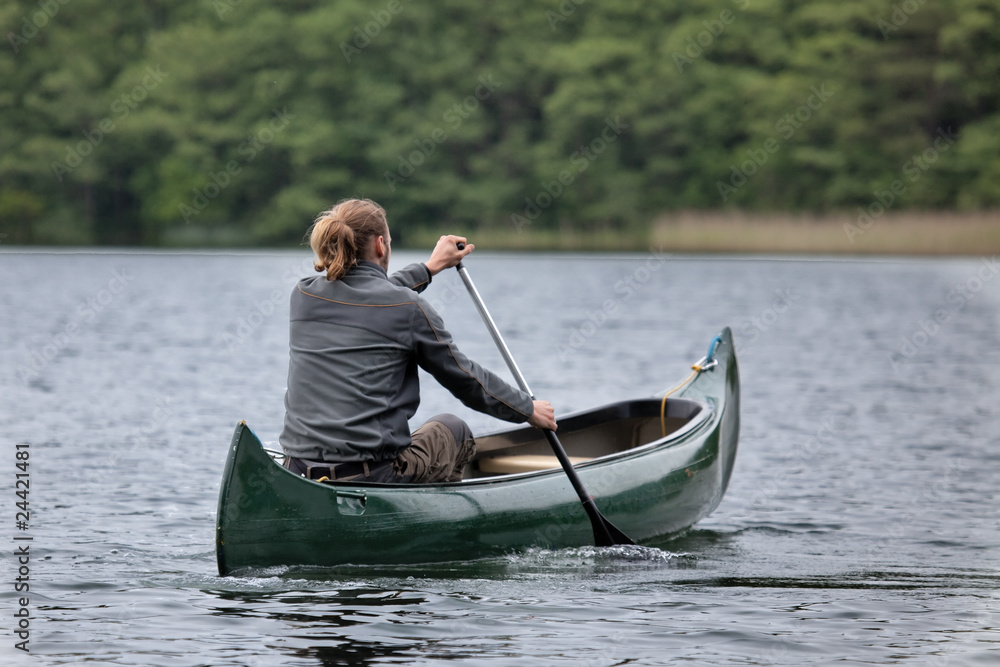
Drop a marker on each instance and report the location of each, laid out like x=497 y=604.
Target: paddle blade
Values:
x=610 y=536
x=605 y=532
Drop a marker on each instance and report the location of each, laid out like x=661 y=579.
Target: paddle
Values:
x=605 y=533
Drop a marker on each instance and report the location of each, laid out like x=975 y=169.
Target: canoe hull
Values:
x=269 y=516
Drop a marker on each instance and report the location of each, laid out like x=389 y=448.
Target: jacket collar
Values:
x=368 y=267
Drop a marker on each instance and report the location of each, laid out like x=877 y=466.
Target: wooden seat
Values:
x=509 y=465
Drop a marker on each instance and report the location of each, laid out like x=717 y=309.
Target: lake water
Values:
x=861 y=526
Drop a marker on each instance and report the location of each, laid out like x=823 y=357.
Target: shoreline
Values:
x=916 y=234
x=912 y=234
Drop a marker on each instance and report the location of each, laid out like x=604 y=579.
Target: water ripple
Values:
x=859 y=526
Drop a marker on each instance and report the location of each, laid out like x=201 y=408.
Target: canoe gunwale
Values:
x=702 y=418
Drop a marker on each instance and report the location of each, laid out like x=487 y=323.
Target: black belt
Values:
x=343 y=470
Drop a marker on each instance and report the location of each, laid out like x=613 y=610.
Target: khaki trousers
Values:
x=439 y=452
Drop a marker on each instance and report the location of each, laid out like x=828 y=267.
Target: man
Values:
x=356 y=339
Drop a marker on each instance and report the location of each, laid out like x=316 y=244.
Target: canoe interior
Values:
x=609 y=430
x=590 y=435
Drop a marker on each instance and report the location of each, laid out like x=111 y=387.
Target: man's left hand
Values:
x=446 y=253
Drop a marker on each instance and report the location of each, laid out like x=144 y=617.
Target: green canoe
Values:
x=514 y=494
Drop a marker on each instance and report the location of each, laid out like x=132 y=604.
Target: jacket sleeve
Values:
x=415 y=276
x=477 y=387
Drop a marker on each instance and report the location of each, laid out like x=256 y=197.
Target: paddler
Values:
x=356 y=339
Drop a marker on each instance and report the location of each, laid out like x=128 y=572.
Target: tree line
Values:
x=237 y=121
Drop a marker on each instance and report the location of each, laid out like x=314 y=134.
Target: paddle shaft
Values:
x=605 y=533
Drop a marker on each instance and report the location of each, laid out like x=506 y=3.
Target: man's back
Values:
x=355 y=345
x=349 y=393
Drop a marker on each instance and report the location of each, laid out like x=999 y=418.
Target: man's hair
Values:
x=341 y=235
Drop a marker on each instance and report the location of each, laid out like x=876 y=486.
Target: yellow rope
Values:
x=663 y=404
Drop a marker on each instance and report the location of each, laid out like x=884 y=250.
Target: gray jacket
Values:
x=354 y=348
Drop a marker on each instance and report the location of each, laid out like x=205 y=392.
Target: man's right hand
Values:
x=544 y=416
x=446 y=253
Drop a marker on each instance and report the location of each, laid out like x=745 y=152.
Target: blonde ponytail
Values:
x=341 y=236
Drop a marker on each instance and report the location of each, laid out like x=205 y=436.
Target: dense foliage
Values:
x=126 y=122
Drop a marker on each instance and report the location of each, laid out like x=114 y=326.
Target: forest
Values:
x=237 y=121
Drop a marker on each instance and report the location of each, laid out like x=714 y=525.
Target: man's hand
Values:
x=446 y=253
x=544 y=416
